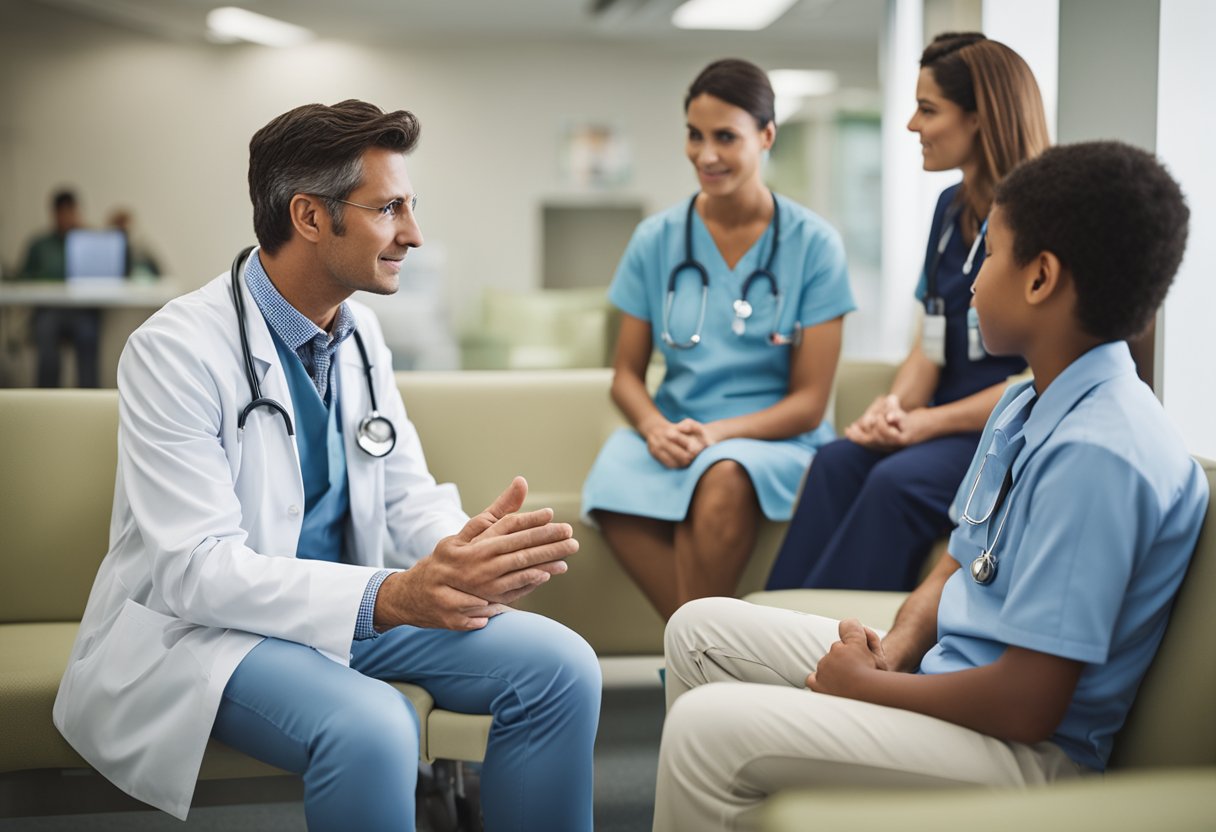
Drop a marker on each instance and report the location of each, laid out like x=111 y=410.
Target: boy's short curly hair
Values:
x=1113 y=216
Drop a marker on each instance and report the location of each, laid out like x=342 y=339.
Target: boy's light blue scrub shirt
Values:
x=1104 y=512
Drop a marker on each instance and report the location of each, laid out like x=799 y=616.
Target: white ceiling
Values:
x=835 y=26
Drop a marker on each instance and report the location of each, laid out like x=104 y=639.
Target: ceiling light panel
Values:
x=230 y=22
x=737 y=15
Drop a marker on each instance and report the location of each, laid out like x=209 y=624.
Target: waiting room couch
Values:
x=479 y=429
x=57 y=461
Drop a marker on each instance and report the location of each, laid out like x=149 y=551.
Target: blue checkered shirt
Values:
x=316 y=349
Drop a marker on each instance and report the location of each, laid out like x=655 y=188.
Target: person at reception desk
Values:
x=141 y=262
x=1015 y=663
x=744 y=294
x=269 y=482
x=45 y=259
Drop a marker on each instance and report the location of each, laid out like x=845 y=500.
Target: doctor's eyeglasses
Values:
x=391 y=211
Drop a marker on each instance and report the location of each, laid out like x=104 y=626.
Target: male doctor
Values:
x=244 y=595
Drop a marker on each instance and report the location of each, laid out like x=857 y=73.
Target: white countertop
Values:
x=95 y=292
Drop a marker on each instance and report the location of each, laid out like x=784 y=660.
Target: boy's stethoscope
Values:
x=742 y=307
x=376 y=435
x=983 y=568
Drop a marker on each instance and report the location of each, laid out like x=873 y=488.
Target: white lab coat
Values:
x=203 y=537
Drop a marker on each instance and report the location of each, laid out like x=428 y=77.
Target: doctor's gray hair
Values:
x=317 y=150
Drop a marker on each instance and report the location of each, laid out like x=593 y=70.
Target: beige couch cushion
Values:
x=32 y=658
x=1168 y=801
x=60 y=453
x=1173 y=722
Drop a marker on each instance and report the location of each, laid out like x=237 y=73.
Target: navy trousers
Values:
x=83 y=327
x=867 y=519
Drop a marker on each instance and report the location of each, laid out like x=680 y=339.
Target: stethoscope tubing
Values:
x=690 y=263
x=367 y=443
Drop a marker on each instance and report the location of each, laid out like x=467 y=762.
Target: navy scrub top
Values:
x=960 y=377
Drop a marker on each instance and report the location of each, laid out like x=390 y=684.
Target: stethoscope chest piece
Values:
x=741 y=306
x=376 y=435
x=743 y=311
x=983 y=569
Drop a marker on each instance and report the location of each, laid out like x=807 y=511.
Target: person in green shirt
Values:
x=45 y=260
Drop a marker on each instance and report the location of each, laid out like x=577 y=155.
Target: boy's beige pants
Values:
x=742 y=725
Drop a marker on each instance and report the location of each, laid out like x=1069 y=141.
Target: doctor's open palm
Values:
x=499 y=556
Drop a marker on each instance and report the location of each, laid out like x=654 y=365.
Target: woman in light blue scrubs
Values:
x=743 y=292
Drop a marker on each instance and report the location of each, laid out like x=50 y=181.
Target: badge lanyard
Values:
x=933 y=327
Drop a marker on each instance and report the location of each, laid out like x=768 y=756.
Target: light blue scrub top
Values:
x=726 y=375
x=1104 y=512
x=319 y=440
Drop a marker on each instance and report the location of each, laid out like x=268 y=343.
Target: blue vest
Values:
x=322 y=460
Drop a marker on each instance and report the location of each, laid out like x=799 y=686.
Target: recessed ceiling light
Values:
x=229 y=22
x=742 y=15
x=802 y=83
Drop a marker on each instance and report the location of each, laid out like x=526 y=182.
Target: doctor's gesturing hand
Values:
x=498 y=557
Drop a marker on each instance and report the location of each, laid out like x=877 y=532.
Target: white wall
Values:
x=1032 y=29
x=164 y=127
x=1108 y=71
x=908 y=192
x=1186 y=126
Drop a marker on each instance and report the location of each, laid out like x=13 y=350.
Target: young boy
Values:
x=1076 y=523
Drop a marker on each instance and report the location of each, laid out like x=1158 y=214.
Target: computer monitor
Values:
x=91 y=255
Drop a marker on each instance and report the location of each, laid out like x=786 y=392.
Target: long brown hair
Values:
x=988 y=78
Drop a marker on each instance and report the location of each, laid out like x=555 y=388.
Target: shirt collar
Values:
x=1102 y=363
x=292 y=326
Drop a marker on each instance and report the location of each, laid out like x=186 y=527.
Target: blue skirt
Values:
x=627 y=479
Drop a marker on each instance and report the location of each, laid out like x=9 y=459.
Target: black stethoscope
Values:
x=742 y=307
x=376 y=435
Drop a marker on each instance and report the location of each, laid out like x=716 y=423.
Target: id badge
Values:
x=975 y=343
x=933 y=338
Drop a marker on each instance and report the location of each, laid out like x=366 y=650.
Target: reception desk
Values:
x=124 y=305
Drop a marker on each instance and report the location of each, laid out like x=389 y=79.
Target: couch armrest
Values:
x=1163 y=800
x=857 y=384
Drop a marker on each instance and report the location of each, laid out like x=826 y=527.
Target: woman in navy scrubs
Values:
x=875 y=501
